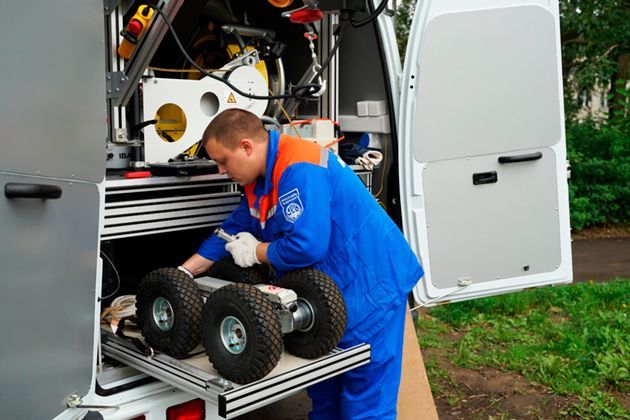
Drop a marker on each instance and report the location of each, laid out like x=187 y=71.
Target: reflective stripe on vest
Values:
x=291 y=150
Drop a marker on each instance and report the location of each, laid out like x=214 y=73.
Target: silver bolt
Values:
x=74 y=400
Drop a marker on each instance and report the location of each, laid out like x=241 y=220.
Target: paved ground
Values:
x=601 y=259
x=593 y=259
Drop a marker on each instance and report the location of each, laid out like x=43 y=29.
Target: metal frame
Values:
x=209 y=199
x=195 y=376
x=145 y=50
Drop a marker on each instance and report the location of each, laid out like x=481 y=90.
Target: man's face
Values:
x=239 y=164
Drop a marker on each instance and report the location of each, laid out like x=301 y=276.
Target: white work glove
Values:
x=185 y=271
x=243 y=249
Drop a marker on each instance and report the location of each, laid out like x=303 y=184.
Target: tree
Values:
x=404 y=15
x=595 y=50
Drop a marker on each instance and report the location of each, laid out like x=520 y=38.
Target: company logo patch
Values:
x=291 y=204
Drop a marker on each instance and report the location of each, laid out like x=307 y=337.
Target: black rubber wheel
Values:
x=241 y=333
x=323 y=297
x=169 y=309
x=226 y=269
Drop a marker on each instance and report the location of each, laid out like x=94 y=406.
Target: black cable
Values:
x=205 y=72
x=117 y=277
x=340 y=32
x=143 y=124
x=370 y=18
x=297 y=91
x=167 y=137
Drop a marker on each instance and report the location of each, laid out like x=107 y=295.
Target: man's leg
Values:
x=371 y=391
x=325 y=398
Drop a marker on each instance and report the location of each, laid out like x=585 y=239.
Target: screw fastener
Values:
x=74 y=400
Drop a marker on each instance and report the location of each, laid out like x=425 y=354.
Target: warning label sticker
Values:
x=231 y=99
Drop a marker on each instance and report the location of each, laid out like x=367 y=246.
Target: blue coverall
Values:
x=315 y=211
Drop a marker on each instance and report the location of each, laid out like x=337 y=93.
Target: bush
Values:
x=599 y=187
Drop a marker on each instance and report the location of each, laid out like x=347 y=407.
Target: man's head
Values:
x=237 y=141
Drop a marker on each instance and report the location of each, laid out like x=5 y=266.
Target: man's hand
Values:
x=243 y=249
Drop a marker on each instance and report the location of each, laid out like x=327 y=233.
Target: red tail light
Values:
x=191 y=410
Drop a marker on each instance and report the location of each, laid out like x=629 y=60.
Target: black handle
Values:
x=42 y=191
x=520 y=158
x=485 y=177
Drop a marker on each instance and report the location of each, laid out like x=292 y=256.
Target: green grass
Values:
x=573 y=339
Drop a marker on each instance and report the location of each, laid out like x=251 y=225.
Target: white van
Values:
x=471 y=133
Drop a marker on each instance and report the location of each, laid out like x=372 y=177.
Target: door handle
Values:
x=41 y=191
x=485 y=177
x=520 y=158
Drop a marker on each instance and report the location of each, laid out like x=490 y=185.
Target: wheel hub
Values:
x=233 y=335
x=163 y=314
x=304 y=317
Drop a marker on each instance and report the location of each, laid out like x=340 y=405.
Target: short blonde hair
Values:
x=233 y=125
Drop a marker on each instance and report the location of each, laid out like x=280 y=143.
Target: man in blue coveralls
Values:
x=304 y=207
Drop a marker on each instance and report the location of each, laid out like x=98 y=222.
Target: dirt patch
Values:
x=603 y=232
x=489 y=393
x=624 y=400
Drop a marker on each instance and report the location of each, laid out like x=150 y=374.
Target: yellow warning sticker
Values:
x=231 y=99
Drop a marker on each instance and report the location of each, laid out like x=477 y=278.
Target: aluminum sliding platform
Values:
x=196 y=375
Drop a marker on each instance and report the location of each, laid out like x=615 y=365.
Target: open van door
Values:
x=482 y=148
x=52 y=114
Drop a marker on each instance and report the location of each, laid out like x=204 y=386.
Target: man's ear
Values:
x=247 y=145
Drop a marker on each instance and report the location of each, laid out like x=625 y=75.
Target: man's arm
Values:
x=197 y=264
x=213 y=248
x=303 y=214
x=261 y=252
